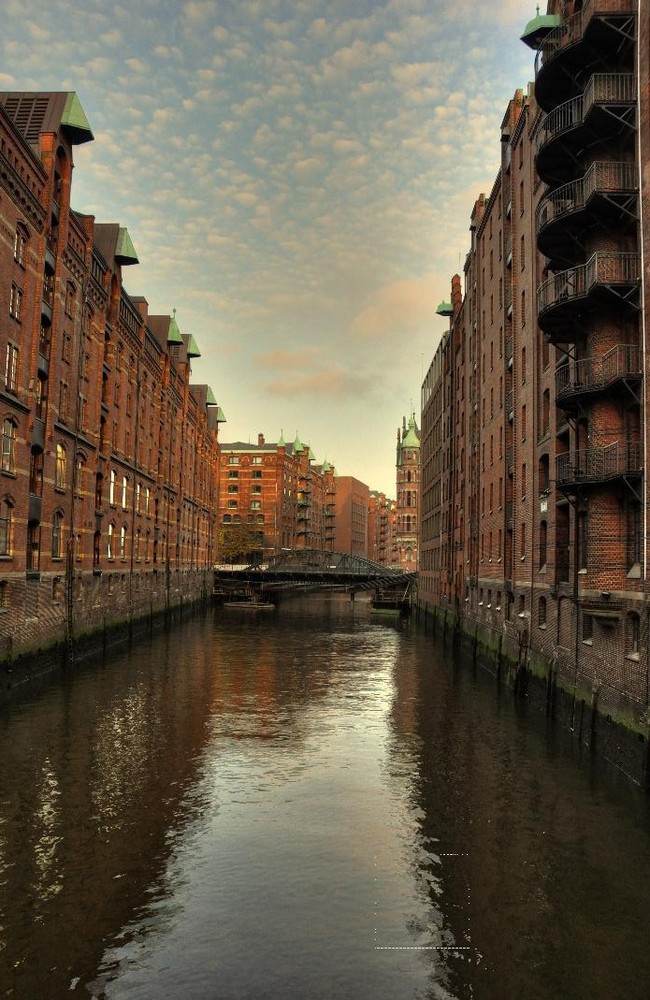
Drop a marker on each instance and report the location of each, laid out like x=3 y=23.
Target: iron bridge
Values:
x=301 y=568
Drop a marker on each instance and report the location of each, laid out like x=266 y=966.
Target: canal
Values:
x=310 y=803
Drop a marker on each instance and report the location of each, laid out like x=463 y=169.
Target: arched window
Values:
x=80 y=475
x=111 y=487
x=137 y=544
x=109 y=541
x=123 y=542
x=8 y=453
x=61 y=468
x=6 y=509
x=125 y=488
x=57 y=531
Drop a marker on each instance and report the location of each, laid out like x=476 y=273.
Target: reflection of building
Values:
x=351 y=528
x=278 y=493
x=109 y=454
x=533 y=409
x=405 y=538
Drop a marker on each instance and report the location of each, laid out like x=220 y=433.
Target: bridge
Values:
x=293 y=569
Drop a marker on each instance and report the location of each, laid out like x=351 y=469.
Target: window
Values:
x=233 y=474
x=583 y=540
x=256 y=474
x=61 y=468
x=137 y=497
x=233 y=460
x=147 y=499
x=57 y=524
x=63 y=400
x=111 y=487
x=15 y=302
x=256 y=504
x=11 y=367
x=543 y=543
x=80 y=474
x=634 y=534
x=123 y=542
x=70 y=296
x=232 y=503
x=256 y=489
x=233 y=489
x=20 y=245
x=125 y=487
x=8 y=454
x=257 y=460
x=633 y=633
x=5 y=527
x=137 y=544
x=109 y=541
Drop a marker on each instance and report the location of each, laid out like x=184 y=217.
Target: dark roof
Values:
x=36 y=112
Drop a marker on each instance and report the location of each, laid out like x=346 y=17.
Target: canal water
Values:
x=310 y=803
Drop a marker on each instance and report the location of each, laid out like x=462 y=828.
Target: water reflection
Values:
x=309 y=805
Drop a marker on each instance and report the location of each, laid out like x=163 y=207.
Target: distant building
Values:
x=274 y=496
x=382 y=515
x=351 y=527
x=405 y=539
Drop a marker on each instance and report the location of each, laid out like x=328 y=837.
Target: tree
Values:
x=238 y=543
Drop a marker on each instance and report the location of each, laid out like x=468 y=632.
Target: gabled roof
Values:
x=114 y=243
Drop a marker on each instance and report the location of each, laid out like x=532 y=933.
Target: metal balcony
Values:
x=591 y=376
x=592 y=466
x=605 y=196
x=564 y=298
x=604 y=111
x=603 y=31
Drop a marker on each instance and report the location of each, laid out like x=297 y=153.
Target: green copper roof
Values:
x=74 y=120
x=411 y=439
x=312 y=457
x=192 y=348
x=537 y=29
x=281 y=442
x=325 y=466
x=173 y=333
x=221 y=416
x=297 y=444
x=210 y=398
x=125 y=251
x=445 y=309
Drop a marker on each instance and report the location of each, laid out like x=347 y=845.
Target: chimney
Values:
x=260 y=439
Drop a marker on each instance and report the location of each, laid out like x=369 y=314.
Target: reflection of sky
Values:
x=300 y=866
x=297 y=178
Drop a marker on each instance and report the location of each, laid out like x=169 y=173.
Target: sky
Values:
x=297 y=179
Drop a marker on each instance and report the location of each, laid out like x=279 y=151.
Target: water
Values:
x=310 y=803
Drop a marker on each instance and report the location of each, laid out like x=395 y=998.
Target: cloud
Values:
x=396 y=310
x=333 y=383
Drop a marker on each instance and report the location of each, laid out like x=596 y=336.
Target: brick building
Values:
x=278 y=493
x=382 y=515
x=109 y=452
x=351 y=523
x=534 y=432
x=405 y=541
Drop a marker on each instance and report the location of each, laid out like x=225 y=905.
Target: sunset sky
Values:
x=297 y=179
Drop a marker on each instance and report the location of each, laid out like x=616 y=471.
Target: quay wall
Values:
x=56 y=624
x=603 y=719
